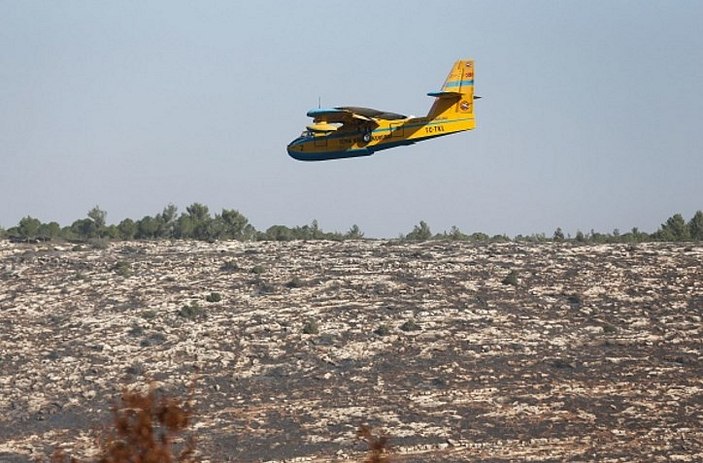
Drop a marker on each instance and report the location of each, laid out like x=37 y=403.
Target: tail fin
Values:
x=457 y=94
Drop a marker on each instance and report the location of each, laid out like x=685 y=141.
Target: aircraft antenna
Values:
x=319 y=104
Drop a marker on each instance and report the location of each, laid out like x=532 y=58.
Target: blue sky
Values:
x=590 y=118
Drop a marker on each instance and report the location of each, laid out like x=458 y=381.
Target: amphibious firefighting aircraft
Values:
x=348 y=131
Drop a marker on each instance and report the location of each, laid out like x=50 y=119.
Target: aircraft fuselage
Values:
x=355 y=141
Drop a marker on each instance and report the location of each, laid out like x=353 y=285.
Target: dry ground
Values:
x=592 y=354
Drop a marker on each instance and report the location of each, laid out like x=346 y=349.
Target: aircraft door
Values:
x=397 y=130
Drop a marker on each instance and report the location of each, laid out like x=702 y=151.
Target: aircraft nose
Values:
x=294 y=151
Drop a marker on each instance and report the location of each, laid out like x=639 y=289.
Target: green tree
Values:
x=232 y=224
x=28 y=228
x=169 y=213
x=184 y=227
x=167 y=221
x=201 y=221
x=98 y=216
x=478 y=236
x=420 y=232
x=634 y=236
x=558 y=235
x=127 y=229
x=302 y=233
x=310 y=232
x=354 y=233
x=454 y=234
x=111 y=232
x=198 y=212
x=83 y=228
x=249 y=233
x=279 y=233
x=147 y=228
x=695 y=226
x=674 y=229
x=316 y=231
x=49 y=231
x=597 y=237
x=68 y=233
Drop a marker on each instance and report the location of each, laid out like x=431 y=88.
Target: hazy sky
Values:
x=591 y=117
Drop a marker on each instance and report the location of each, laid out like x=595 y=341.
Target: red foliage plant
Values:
x=145 y=427
x=378 y=445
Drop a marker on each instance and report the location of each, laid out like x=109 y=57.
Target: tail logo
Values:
x=465 y=105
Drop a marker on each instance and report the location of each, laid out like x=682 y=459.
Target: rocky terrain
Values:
x=458 y=351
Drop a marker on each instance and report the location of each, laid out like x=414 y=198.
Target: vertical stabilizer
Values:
x=457 y=94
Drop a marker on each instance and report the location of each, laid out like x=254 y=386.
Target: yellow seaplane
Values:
x=348 y=131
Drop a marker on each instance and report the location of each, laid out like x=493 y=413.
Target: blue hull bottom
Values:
x=355 y=153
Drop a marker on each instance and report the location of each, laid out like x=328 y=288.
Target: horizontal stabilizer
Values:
x=444 y=94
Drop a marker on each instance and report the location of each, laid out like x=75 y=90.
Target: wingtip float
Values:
x=349 y=131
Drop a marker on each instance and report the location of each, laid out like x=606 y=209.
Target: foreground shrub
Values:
x=410 y=325
x=258 y=269
x=191 y=311
x=145 y=429
x=311 y=327
x=378 y=445
x=382 y=330
x=609 y=329
x=295 y=282
x=511 y=279
x=229 y=266
x=123 y=269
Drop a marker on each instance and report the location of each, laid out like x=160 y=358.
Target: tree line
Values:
x=197 y=223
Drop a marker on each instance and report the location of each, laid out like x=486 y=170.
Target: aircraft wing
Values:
x=338 y=115
x=352 y=115
x=372 y=113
